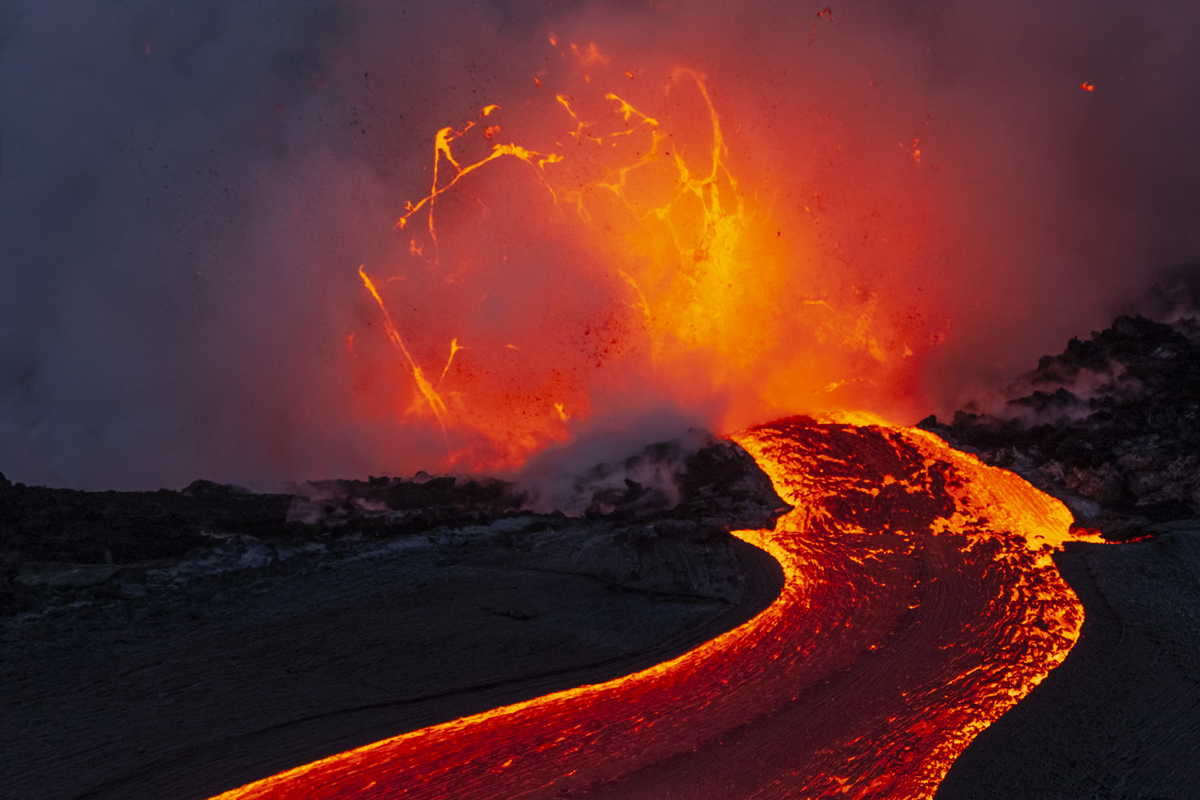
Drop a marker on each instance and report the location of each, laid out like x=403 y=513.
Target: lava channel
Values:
x=920 y=604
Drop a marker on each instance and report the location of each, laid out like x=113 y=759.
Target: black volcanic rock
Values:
x=61 y=546
x=1110 y=425
x=383 y=506
x=699 y=478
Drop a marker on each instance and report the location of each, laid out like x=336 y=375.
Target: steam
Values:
x=577 y=476
x=187 y=191
x=1173 y=297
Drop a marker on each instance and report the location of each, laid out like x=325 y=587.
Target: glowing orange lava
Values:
x=610 y=246
x=920 y=604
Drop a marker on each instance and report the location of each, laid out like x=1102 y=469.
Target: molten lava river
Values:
x=920 y=604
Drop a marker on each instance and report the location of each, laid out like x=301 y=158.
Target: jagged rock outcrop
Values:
x=1111 y=425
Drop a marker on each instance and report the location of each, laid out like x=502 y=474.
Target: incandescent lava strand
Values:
x=920 y=603
x=588 y=251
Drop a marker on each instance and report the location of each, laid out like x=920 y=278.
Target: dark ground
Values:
x=1120 y=718
x=204 y=657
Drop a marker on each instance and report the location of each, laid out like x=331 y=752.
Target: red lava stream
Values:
x=920 y=604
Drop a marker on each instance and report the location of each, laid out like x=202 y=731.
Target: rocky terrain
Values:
x=1110 y=426
x=182 y=643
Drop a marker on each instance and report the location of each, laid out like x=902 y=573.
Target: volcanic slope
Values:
x=921 y=603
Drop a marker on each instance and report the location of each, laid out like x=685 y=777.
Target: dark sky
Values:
x=187 y=190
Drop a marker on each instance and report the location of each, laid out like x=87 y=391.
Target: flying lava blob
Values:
x=920 y=603
x=610 y=253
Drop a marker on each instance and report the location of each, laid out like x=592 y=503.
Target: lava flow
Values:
x=920 y=603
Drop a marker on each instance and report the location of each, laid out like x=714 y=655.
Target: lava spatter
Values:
x=588 y=241
x=920 y=604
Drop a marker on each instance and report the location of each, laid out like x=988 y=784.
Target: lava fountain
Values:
x=920 y=603
x=592 y=251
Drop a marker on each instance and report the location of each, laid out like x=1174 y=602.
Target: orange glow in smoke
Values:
x=920 y=604
x=629 y=252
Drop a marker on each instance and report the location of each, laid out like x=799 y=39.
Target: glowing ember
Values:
x=920 y=604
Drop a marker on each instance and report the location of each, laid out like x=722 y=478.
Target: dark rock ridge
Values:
x=1111 y=426
x=61 y=546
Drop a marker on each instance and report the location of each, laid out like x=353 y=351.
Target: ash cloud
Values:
x=186 y=193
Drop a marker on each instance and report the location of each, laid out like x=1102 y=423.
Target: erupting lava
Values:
x=920 y=604
x=676 y=229
x=614 y=248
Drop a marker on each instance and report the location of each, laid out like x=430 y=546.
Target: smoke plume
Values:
x=944 y=191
